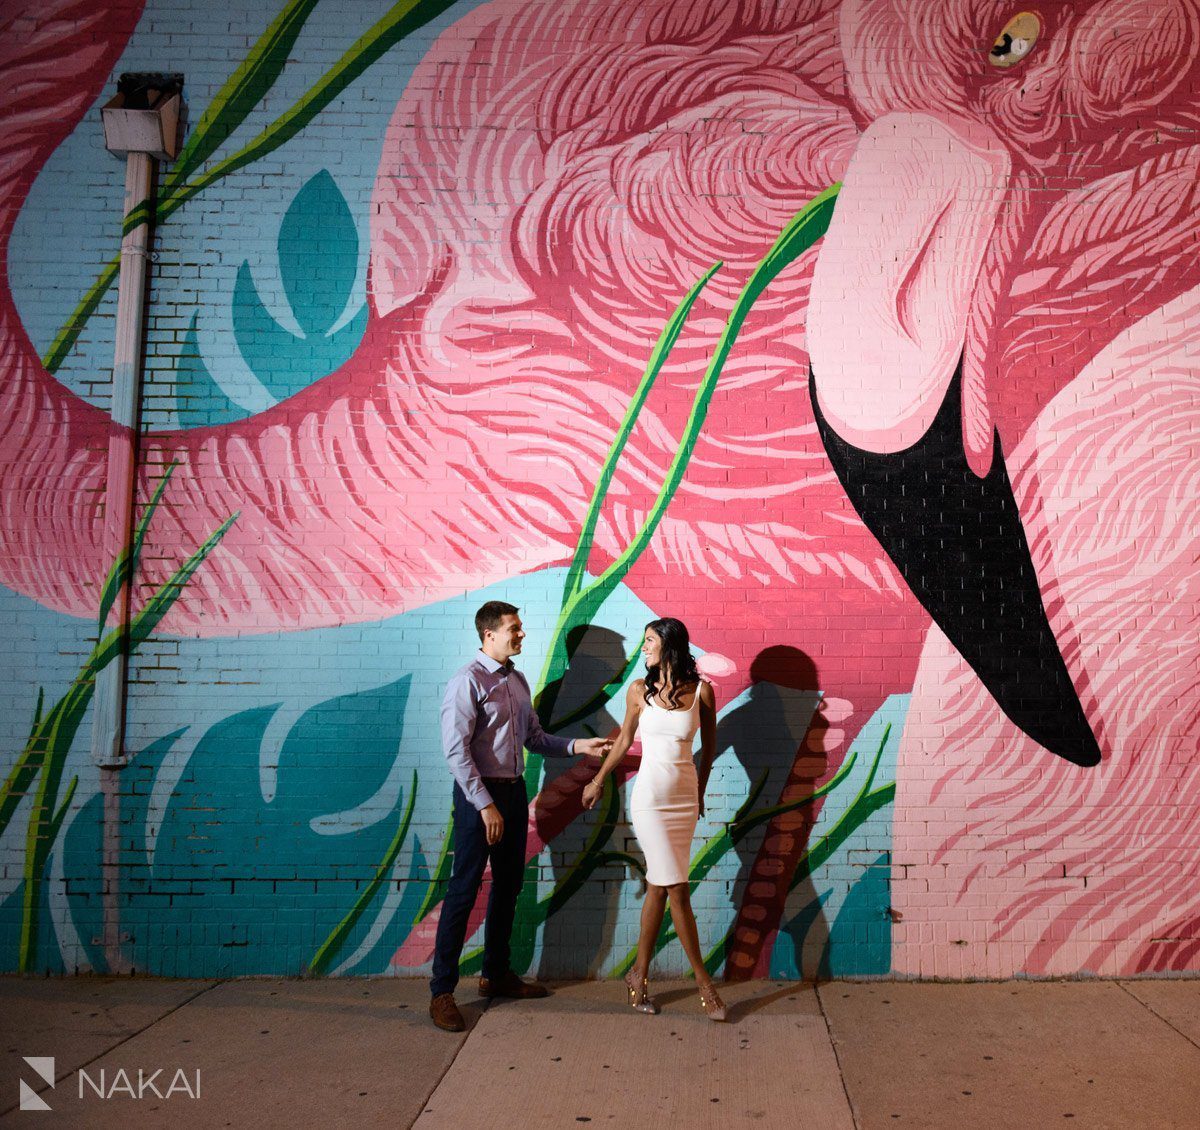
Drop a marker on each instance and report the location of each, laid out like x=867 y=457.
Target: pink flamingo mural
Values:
x=1003 y=217
x=1007 y=861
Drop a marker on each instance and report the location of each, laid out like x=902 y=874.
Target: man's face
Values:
x=506 y=640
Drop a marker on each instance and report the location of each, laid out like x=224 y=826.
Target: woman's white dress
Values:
x=665 y=801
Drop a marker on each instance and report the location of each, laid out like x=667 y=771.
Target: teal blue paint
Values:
x=199 y=399
x=237 y=885
x=860 y=942
x=81 y=846
x=318 y=260
x=787 y=956
x=318 y=253
x=318 y=228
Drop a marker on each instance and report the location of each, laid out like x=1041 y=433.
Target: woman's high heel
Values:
x=714 y=1007
x=639 y=999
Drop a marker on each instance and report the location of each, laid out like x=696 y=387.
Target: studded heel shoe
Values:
x=639 y=999
x=710 y=1001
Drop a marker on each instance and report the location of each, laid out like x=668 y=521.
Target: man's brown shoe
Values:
x=445 y=1013
x=510 y=985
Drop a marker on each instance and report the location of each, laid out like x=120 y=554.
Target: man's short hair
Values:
x=488 y=618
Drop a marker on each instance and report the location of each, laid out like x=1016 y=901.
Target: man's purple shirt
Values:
x=487 y=722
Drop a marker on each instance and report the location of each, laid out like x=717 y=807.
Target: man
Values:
x=487 y=721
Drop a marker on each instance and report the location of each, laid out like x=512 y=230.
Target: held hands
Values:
x=593 y=747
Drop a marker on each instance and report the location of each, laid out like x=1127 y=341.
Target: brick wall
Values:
x=920 y=479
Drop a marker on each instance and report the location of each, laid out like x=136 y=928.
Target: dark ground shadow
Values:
x=777 y=728
x=585 y=925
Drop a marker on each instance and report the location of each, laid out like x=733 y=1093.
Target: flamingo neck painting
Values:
x=859 y=335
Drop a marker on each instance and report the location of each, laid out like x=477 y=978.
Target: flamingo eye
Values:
x=1016 y=40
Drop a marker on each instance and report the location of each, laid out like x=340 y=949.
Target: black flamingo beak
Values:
x=892 y=296
x=958 y=542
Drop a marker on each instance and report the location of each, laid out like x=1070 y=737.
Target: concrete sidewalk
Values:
x=314 y=1053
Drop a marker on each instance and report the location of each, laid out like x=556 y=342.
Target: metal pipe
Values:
x=108 y=720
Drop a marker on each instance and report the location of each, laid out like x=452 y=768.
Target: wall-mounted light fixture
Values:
x=143 y=116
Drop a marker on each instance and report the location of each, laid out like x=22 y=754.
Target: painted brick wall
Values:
x=917 y=468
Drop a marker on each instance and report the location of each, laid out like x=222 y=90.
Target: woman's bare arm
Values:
x=620 y=747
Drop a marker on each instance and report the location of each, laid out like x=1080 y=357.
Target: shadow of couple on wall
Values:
x=774 y=733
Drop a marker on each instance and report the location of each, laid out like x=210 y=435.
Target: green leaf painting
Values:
x=318 y=255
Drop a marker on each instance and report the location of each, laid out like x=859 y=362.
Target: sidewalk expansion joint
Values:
x=1150 y=1009
x=837 y=1058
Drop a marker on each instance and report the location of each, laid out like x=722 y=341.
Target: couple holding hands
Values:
x=488 y=721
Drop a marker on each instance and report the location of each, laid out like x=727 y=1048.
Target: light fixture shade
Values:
x=154 y=131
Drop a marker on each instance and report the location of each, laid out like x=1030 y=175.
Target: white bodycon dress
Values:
x=665 y=802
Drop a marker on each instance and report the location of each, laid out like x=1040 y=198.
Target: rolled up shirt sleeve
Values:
x=536 y=739
x=459 y=714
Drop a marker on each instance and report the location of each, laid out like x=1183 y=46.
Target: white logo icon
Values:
x=44 y=1066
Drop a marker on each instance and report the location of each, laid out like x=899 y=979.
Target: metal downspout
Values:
x=108 y=723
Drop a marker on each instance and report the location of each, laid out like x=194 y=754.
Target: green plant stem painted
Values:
x=580 y=603
x=337 y=937
x=52 y=734
x=441 y=874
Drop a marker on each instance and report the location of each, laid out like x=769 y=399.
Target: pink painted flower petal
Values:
x=715 y=666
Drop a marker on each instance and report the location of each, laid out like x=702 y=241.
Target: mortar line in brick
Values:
x=1150 y=1009
x=837 y=1058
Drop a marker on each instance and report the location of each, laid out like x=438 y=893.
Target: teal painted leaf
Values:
x=787 y=956
x=318 y=254
x=318 y=263
x=860 y=943
x=199 y=401
x=239 y=885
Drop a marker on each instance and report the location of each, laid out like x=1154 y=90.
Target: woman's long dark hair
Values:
x=676 y=659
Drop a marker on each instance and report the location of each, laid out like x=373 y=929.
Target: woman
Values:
x=666 y=708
